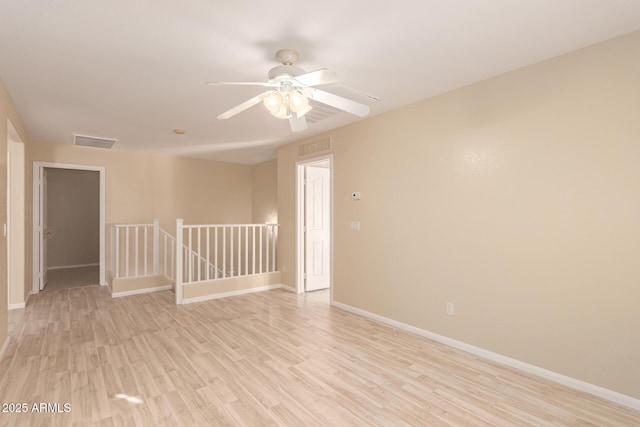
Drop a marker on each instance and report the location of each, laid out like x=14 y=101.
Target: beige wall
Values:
x=517 y=199
x=265 y=192
x=73 y=217
x=7 y=111
x=229 y=286
x=141 y=185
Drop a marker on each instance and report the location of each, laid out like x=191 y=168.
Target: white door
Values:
x=318 y=228
x=45 y=226
x=8 y=231
x=42 y=228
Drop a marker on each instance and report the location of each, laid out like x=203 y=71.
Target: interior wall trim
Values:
x=231 y=293
x=140 y=291
x=61 y=267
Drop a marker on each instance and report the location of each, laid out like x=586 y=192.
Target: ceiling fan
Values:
x=291 y=88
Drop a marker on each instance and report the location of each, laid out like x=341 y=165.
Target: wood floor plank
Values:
x=266 y=359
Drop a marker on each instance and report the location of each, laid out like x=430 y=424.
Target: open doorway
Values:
x=68 y=224
x=314 y=200
x=72 y=223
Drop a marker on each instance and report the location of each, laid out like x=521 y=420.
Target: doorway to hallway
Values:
x=314 y=224
x=68 y=225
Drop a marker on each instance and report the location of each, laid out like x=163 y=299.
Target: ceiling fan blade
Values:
x=266 y=84
x=297 y=123
x=340 y=102
x=318 y=77
x=245 y=105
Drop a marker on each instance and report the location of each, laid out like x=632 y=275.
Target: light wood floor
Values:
x=270 y=358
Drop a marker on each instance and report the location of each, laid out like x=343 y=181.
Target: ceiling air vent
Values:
x=319 y=145
x=320 y=112
x=93 y=141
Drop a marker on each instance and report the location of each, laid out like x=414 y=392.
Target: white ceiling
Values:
x=136 y=69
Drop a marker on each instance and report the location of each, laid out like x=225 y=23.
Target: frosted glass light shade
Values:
x=273 y=101
x=281 y=105
x=298 y=102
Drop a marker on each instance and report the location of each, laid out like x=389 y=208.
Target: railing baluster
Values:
x=224 y=252
x=199 y=258
x=173 y=260
x=117 y=246
x=185 y=263
x=189 y=255
x=215 y=252
x=231 y=252
x=273 y=248
x=207 y=273
x=253 y=250
x=126 y=252
x=164 y=254
x=246 y=250
x=239 y=252
x=266 y=232
x=145 y=250
x=179 y=236
x=137 y=261
x=260 y=247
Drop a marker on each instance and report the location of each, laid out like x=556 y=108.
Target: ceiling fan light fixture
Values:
x=273 y=101
x=298 y=102
x=282 y=112
x=282 y=105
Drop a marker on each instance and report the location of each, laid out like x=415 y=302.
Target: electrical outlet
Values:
x=450 y=308
x=356 y=195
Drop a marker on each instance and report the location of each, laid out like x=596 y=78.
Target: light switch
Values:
x=355 y=225
x=356 y=195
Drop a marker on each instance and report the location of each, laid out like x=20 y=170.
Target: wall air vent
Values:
x=316 y=146
x=93 y=141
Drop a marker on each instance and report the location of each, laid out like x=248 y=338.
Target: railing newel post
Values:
x=179 y=251
x=156 y=246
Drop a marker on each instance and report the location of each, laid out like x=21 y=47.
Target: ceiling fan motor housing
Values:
x=284 y=72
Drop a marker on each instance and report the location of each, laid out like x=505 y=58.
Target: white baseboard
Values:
x=60 y=267
x=593 y=389
x=139 y=291
x=20 y=304
x=230 y=294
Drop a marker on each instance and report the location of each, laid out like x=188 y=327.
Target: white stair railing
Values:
x=139 y=250
x=208 y=252
x=219 y=251
x=168 y=250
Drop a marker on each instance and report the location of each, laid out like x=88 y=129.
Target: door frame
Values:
x=38 y=168
x=15 y=229
x=300 y=211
